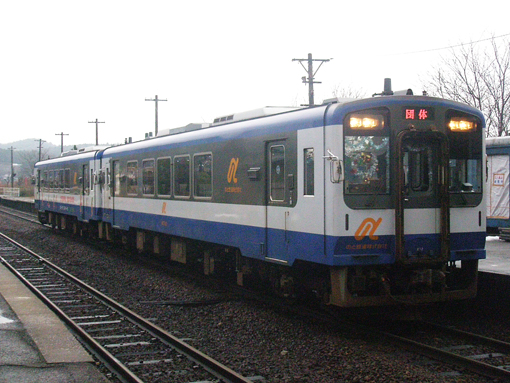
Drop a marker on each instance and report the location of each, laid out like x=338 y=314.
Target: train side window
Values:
x=202 y=175
x=309 y=171
x=148 y=177
x=164 y=176
x=182 y=176
x=91 y=179
x=50 y=179
x=132 y=178
x=67 y=180
x=45 y=180
x=277 y=173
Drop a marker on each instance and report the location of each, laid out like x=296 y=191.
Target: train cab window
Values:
x=418 y=164
x=148 y=177
x=202 y=175
x=367 y=165
x=308 y=171
x=164 y=176
x=132 y=178
x=465 y=144
x=277 y=173
x=182 y=176
x=91 y=179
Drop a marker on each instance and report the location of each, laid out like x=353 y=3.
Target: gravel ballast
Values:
x=250 y=336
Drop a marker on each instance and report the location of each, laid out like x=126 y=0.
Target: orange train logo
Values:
x=234 y=163
x=368 y=226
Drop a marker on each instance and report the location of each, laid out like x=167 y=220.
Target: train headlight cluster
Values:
x=461 y=124
x=366 y=122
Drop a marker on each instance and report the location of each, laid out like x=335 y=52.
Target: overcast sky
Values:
x=65 y=63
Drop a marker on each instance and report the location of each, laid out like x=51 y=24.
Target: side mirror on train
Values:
x=336 y=171
x=336 y=168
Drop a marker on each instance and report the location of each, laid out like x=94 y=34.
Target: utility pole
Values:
x=97 y=133
x=156 y=99
x=40 y=147
x=311 y=75
x=12 y=166
x=61 y=143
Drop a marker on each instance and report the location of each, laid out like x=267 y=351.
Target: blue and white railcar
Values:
x=363 y=202
x=68 y=189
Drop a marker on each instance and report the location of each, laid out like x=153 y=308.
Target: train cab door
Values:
x=422 y=200
x=277 y=202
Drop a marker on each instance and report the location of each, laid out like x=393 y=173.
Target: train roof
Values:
x=497 y=141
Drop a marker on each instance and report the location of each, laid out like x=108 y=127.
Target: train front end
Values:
x=411 y=176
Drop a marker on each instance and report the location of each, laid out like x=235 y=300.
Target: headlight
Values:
x=461 y=124
x=366 y=122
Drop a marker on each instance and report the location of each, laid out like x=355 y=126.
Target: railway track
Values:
x=30 y=217
x=131 y=347
x=460 y=350
x=482 y=355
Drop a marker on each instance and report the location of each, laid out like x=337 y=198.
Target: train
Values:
x=498 y=196
x=356 y=203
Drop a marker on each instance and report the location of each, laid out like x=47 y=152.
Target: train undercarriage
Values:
x=366 y=286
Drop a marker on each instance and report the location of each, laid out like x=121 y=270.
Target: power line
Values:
x=447 y=47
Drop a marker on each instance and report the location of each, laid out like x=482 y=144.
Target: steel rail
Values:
x=214 y=367
x=472 y=365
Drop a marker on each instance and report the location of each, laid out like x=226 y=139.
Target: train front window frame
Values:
x=466 y=173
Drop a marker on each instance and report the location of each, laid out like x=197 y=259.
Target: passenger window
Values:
x=309 y=171
x=132 y=178
x=202 y=168
x=164 y=176
x=182 y=176
x=148 y=177
x=67 y=180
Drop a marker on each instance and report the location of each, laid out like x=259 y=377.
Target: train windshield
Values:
x=367 y=165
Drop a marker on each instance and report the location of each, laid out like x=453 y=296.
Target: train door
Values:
x=277 y=202
x=107 y=192
x=84 y=194
x=114 y=186
x=422 y=202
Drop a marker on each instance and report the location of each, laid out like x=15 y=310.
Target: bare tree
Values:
x=477 y=78
x=347 y=92
x=27 y=159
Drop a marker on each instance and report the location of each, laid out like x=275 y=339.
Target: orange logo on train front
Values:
x=234 y=162
x=368 y=226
